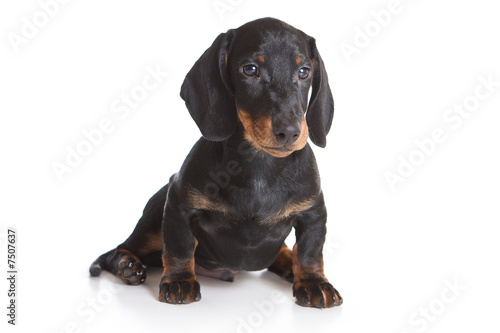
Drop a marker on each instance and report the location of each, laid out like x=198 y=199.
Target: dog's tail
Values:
x=102 y=263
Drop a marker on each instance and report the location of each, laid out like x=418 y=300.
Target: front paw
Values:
x=180 y=292
x=316 y=294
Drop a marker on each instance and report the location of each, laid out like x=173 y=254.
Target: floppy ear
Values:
x=319 y=114
x=207 y=92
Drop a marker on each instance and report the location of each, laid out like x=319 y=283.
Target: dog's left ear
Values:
x=319 y=114
x=207 y=92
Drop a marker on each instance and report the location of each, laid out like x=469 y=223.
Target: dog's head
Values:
x=260 y=74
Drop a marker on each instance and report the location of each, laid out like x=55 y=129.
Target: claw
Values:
x=317 y=295
x=180 y=292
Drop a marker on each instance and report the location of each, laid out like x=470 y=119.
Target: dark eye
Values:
x=250 y=70
x=304 y=73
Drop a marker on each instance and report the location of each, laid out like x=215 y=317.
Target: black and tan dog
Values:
x=249 y=180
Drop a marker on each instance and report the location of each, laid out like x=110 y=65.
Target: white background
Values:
x=392 y=254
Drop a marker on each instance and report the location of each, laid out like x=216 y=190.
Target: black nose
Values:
x=286 y=133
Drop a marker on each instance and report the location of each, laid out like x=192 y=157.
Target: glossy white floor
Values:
x=410 y=172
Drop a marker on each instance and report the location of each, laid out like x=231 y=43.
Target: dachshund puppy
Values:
x=249 y=180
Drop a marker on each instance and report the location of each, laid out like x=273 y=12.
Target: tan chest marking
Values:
x=290 y=210
x=200 y=201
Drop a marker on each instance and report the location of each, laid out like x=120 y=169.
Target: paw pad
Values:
x=131 y=270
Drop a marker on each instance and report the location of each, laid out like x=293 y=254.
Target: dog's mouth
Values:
x=282 y=149
x=260 y=134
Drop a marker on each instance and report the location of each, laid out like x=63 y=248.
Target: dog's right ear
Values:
x=208 y=93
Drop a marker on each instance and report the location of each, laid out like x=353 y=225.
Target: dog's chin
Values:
x=279 y=152
x=276 y=151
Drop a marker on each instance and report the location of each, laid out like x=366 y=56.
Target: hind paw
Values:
x=131 y=270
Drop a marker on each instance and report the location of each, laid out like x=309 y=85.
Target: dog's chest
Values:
x=244 y=225
x=259 y=201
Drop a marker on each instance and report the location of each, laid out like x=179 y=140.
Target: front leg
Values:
x=310 y=286
x=179 y=284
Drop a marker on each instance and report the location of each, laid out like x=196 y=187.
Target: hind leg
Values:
x=143 y=247
x=283 y=264
x=123 y=263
